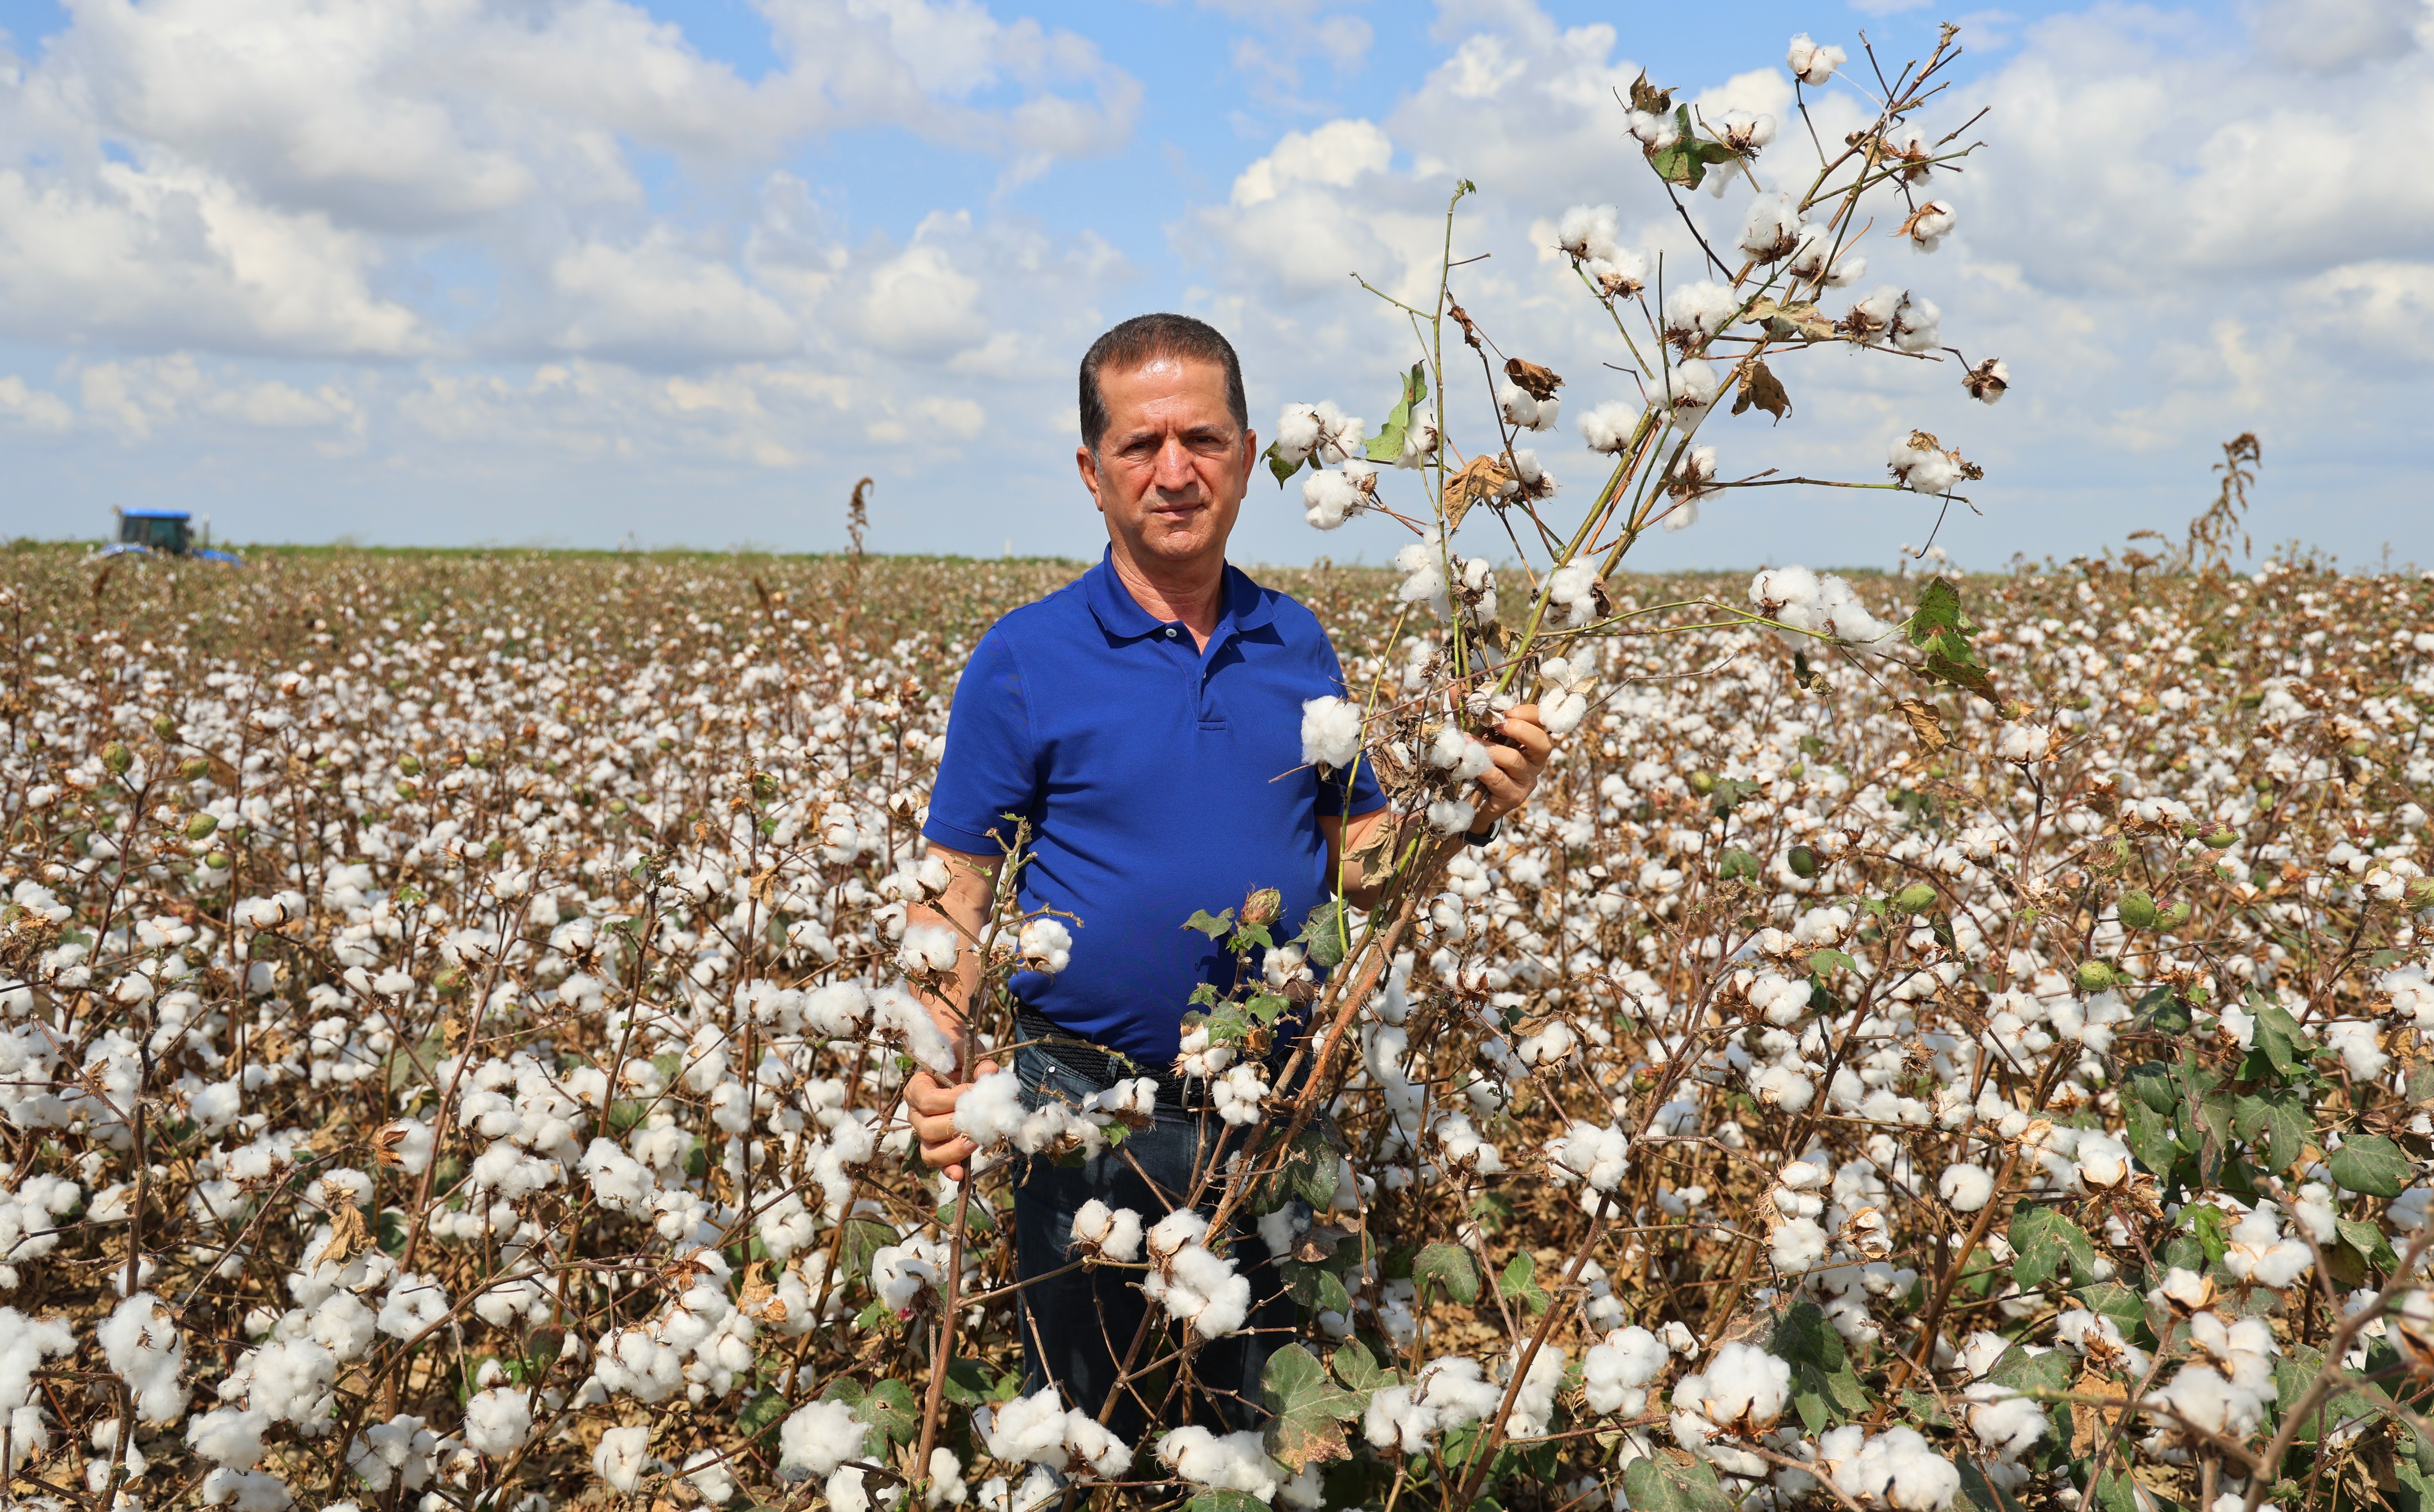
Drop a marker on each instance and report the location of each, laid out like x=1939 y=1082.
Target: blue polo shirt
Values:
x=1158 y=779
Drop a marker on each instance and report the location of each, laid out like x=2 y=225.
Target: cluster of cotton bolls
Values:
x=1820 y=604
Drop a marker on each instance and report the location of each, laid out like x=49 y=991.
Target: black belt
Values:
x=1091 y=1063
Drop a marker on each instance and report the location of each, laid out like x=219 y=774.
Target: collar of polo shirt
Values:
x=1121 y=614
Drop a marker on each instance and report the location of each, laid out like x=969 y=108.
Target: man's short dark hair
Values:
x=1140 y=340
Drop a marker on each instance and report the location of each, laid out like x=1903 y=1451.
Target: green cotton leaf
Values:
x=2047 y=1245
x=2284 y=1044
x=1451 y=1268
x=1520 y=1283
x=1316 y=1287
x=2025 y=1373
x=2212 y=1227
x=762 y=1413
x=2149 y=1137
x=1307 y=1169
x=889 y=1408
x=1212 y=924
x=1824 y=1390
x=1387 y=445
x=2279 y=1120
x=2113 y=1299
x=2296 y=1369
x=2153 y=1082
x=863 y=1238
x=1322 y=936
x=2371 y=1164
x=1658 y=1484
x=1277 y=465
x=1358 y=1369
x=2370 y=1242
x=1936 y=623
x=1306 y=1409
x=968 y=1381
x=1225 y=1501
x=1827 y=960
x=1961 y=674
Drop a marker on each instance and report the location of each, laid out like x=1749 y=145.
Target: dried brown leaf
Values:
x=1538 y=383
x=1925 y=724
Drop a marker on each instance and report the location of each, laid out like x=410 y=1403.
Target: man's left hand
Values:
x=1507 y=785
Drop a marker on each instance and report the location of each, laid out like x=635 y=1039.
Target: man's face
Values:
x=1171 y=469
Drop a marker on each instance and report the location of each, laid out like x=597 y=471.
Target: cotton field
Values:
x=455 y=1007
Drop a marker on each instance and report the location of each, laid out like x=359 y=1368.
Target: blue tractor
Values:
x=160 y=532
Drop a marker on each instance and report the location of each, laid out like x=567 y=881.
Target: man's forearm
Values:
x=949 y=1015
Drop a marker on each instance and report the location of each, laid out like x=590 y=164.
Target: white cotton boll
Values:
x=817 y=1437
x=1795 y=1245
x=1744 y=131
x=1811 y=64
x=2022 y=741
x=1296 y=434
x=412 y=1305
x=927 y=947
x=1917 y=325
x=623 y=1459
x=246 y=1491
x=1331 y=732
x=1169 y=1235
x=1655 y=130
x=1101 y=1452
x=1872 y=317
x=2353 y=1039
x=1697 y=310
x=1329 y=497
x=1451 y=816
x=1046 y=945
x=1932 y=224
x=1619 y=274
x=2004 y=1422
x=946 y=1487
x=1923 y=471
x=1966 y=1188
x=1684 y=514
x=2318 y=1212
x=1236 y=1462
x=1742 y=1384
x=838 y=1010
x=1598 y=1157
x=1772 y=230
x=1687 y=388
x=142 y=1345
x=1781 y=1086
x=498 y=1421
x=1609 y=427
x=1588 y=231
x=990 y=1110
x=1114 y=1232
x=2103 y=1161
x=1339 y=434
x=1518 y=406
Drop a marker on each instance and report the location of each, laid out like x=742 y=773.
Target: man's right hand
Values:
x=933 y=1103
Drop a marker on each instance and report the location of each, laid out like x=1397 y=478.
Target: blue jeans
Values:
x=1076 y=1327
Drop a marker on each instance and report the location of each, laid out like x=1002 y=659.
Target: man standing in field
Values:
x=1145 y=720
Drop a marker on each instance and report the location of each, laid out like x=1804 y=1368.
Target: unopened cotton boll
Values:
x=1331 y=732
x=1811 y=64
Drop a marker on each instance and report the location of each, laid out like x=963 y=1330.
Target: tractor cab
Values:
x=160 y=531
x=156 y=530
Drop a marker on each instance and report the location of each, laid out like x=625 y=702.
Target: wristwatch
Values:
x=1482 y=836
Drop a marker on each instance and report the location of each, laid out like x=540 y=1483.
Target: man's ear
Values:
x=1087 y=463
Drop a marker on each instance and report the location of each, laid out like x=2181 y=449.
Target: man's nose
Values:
x=1175 y=472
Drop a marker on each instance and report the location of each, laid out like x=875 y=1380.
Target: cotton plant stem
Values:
x=1482 y=1454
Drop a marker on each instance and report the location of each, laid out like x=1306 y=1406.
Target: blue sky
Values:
x=571 y=273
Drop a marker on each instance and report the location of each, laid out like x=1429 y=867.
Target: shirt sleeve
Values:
x=992 y=767
x=1343 y=795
